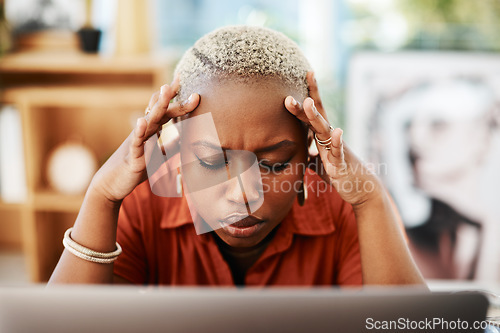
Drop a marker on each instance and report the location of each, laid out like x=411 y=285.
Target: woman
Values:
x=250 y=82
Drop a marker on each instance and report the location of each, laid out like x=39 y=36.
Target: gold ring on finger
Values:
x=323 y=143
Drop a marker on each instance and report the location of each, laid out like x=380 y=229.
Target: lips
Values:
x=238 y=225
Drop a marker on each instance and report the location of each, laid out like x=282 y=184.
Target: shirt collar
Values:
x=176 y=214
x=315 y=217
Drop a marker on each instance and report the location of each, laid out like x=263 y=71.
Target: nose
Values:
x=243 y=187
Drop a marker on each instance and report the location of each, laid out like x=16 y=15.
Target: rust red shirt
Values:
x=315 y=245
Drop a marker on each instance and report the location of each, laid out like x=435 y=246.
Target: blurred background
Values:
x=415 y=85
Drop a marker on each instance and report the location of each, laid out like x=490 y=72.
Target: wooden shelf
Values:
x=77 y=62
x=74 y=68
x=48 y=200
x=10 y=225
x=11 y=206
x=82 y=96
x=62 y=97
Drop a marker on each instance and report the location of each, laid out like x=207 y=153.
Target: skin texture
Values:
x=280 y=139
x=247 y=118
x=96 y=223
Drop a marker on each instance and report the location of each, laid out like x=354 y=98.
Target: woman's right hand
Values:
x=126 y=168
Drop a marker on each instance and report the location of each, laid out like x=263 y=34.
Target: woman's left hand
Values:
x=385 y=258
x=336 y=163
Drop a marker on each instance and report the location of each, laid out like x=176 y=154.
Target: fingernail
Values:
x=314 y=109
x=136 y=129
x=294 y=102
x=162 y=89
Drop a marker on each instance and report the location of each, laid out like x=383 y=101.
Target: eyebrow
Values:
x=276 y=146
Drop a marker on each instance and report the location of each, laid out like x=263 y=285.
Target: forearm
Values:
x=95 y=228
x=385 y=257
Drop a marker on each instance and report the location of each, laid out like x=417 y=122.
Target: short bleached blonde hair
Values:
x=245 y=53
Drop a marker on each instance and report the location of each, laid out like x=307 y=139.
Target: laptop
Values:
x=158 y=309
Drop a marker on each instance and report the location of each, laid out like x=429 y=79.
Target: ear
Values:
x=310 y=137
x=311 y=147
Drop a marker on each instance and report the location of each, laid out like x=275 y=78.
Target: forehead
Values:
x=249 y=115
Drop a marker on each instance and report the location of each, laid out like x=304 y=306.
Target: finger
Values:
x=318 y=123
x=154 y=97
x=178 y=109
x=296 y=109
x=136 y=146
x=173 y=110
x=314 y=93
x=330 y=162
x=169 y=139
x=336 y=152
x=153 y=100
x=160 y=108
x=176 y=83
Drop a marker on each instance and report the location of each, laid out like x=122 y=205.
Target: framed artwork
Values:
x=428 y=124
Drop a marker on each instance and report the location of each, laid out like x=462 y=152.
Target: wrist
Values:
x=374 y=197
x=97 y=192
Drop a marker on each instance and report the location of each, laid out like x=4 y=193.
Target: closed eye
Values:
x=274 y=167
x=265 y=164
x=212 y=165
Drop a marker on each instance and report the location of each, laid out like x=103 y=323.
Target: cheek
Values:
x=281 y=188
x=280 y=192
x=200 y=185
